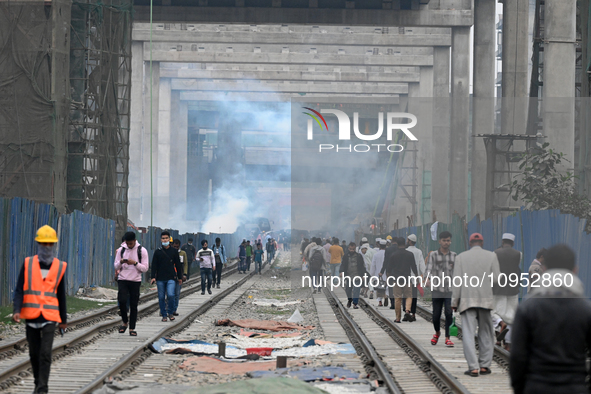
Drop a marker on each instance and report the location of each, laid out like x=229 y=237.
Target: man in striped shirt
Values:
x=441 y=264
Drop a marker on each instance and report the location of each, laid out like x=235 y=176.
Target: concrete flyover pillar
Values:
x=162 y=207
x=425 y=145
x=150 y=130
x=559 y=76
x=515 y=84
x=483 y=112
x=137 y=144
x=460 y=117
x=441 y=134
x=179 y=129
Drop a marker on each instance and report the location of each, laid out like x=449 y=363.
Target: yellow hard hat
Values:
x=46 y=234
x=389 y=237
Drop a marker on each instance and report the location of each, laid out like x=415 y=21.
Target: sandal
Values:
x=471 y=373
x=485 y=372
x=122 y=329
x=449 y=343
x=164 y=319
x=171 y=317
x=133 y=333
x=435 y=339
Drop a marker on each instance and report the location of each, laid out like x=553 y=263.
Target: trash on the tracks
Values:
x=309 y=374
x=252 y=334
x=270 y=325
x=261 y=351
x=296 y=317
x=193 y=346
x=317 y=342
x=260 y=386
x=310 y=351
x=242 y=342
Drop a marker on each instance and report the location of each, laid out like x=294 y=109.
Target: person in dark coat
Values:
x=399 y=264
x=552 y=331
x=353 y=267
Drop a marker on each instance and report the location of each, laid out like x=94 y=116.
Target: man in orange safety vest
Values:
x=40 y=299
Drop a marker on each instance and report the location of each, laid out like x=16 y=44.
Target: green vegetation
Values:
x=74 y=305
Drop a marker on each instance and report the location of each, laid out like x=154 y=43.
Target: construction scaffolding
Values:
x=98 y=134
x=65 y=79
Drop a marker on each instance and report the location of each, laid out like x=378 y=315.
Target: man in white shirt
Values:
x=420 y=263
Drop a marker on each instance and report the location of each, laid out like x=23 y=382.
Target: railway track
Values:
x=500 y=356
x=405 y=351
x=111 y=351
x=18 y=346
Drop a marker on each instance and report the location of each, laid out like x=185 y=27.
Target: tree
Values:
x=541 y=185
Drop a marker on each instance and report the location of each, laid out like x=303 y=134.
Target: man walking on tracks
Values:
x=552 y=331
x=441 y=265
x=219 y=254
x=317 y=257
x=420 y=266
x=190 y=251
x=184 y=263
x=506 y=298
x=206 y=260
x=40 y=299
x=131 y=260
x=474 y=302
x=167 y=271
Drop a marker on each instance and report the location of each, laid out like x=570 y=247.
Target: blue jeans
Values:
x=258 y=266
x=248 y=258
x=316 y=277
x=353 y=293
x=206 y=275
x=166 y=288
x=177 y=296
x=270 y=256
x=242 y=264
x=334 y=269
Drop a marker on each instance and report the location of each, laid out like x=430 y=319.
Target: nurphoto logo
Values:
x=345 y=129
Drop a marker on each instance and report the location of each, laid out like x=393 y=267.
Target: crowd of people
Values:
x=542 y=358
x=548 y=333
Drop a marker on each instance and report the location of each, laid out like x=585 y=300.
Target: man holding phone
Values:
x=131 y=260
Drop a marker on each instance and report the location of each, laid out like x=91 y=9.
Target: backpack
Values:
x=139 y=253
x=316 y=261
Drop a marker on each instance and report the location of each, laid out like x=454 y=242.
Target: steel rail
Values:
x=500 y=355
x=179 y=325
x=14 y=346
x=440 y=371
x=368 y=349
x=86 y=337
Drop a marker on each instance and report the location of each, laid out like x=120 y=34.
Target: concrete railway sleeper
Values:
x=359 y=340
x=442 y=379
x=13 y=374
x=500 y=356
x=20 y=345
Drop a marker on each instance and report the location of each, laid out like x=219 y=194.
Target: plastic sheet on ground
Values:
x=270 y=325
x=311 y=351
x=260 y=386
x=296 y=317
x=276 y=343
x=271 y=302
x=309 y=374
x=164 y=344
x=206 y=364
